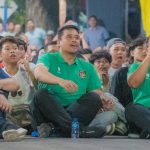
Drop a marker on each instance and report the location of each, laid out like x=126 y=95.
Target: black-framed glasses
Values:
x=14 y=94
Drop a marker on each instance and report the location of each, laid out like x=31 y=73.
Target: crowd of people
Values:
x=47 y=79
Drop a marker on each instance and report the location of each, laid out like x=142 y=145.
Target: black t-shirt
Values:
x=119 y=86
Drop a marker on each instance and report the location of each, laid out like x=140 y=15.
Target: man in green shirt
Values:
x=69 y=88
x=138 y=113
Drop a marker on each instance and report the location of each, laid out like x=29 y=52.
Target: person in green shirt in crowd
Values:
x=69 y=87
x=138 y=112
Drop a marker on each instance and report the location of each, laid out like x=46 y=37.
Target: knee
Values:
x=109 y=117
x=95 y=99
x=112 y=116
x=39 y=96
x=130 y=110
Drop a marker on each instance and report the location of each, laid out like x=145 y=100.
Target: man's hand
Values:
x=108 y=104
x=25 y=64
x=68 y=85
x=4 y=105
x=103 y=72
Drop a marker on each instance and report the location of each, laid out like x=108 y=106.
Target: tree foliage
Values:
x=20 y=14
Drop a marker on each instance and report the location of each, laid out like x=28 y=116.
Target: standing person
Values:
x=2 y=32
x=10 y=29
x=117 y=49
x=66 y=90
x=18 y=30
x=138 y=112
x=36 y=36
x=95 y=35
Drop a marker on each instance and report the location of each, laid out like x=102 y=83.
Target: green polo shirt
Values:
x=80 y=72
x=141 y=94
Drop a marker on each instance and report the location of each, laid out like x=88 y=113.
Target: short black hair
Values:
x=8 y=39
x=21 y=42
x=99 y=55
x=66 y=27
x=137 y=42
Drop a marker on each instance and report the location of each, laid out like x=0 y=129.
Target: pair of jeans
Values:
x=5 y=124
x=139 y=115
x=103 y=119
x=46 y=109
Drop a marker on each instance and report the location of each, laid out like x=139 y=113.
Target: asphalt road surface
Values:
x=106 y=143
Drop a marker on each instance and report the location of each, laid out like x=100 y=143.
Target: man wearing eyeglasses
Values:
x=68 y=88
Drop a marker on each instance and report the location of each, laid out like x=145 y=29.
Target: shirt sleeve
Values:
x=95 y=81
x=86 y=37
x=43 y=34
x=44 y=60
x=132 y=69
x=3 y=75
x=105 y=34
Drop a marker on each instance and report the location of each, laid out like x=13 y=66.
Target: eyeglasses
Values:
x=14 y=94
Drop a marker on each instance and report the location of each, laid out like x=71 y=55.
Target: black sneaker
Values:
x=145 y=134
x=92 y=132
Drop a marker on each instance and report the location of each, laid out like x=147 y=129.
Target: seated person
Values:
x=138 y=112
x=112 y=113
x=52 y=47
x=117 y=49
x=66 y=90
x=8 y=130
x=20 y=70
x=119 y=86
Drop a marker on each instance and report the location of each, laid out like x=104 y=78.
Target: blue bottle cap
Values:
x=35 y=134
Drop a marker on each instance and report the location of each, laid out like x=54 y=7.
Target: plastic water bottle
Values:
x=75 y=128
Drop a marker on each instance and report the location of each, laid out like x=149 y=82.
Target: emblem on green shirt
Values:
x=82 y=74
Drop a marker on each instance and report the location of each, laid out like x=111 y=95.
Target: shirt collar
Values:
x=94 y=28
x=61 y=59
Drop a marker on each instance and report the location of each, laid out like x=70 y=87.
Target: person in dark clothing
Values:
x=120 y=88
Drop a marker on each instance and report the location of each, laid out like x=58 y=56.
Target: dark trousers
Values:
x=45 y=108
x=138 y=115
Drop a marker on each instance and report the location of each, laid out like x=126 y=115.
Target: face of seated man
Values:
x=118 y=53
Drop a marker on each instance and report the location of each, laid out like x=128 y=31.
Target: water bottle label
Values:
x=75 y=125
